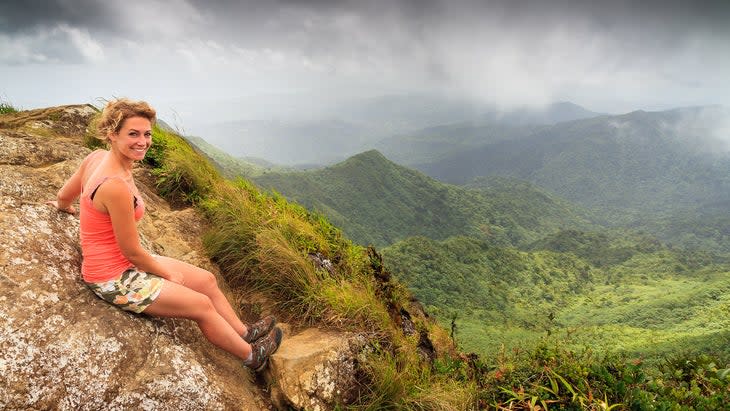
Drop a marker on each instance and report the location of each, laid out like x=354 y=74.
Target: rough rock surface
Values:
x=60 y=346
x=316 y=370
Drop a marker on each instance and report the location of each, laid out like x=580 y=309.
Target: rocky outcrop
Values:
x=60 y=346
x=63 y=348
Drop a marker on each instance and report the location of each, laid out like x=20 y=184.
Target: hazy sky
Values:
x=194 y=56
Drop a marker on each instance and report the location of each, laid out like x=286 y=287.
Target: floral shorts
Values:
x=132 y=291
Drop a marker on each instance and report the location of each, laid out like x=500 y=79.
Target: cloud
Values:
x=607 y=55
x=19 y=50
x=59 y=44
x=86 y=46
x=708 y=127
x=23 y=16
x=510 y=52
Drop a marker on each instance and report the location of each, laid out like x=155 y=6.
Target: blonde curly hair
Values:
x=117 y=111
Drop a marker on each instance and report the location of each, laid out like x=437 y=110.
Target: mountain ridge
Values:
x=638 y=160
x=377 y=201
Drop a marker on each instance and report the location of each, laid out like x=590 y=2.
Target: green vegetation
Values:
x=397 y=385
x=7 y=108
x=264 y=244
x=634 y=165
x=699 y=228
x=378 y=202
x=229 y=166
x=435 y=143
x=553 y=377
x=499 y=295
x=599 y=248
x=650 y=299
x=584 y=321
x=653 y=316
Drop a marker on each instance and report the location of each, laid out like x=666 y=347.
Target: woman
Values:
x=116 y=267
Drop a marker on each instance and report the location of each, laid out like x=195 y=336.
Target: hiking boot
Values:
x=262 y=349
x=259 y=328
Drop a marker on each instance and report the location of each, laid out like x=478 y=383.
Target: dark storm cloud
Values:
x=399 y=30
x=270 y=17
x=24 y=16
x=413 y=13
x=504 y=50
x=337 y=26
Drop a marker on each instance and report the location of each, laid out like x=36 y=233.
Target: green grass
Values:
x=396 y=384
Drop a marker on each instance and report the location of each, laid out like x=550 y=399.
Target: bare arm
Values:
x=114 y=195
x=72 y=188
x=69 y=192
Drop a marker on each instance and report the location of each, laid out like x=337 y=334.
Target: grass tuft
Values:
x=353 y=301
x=7 y=108
x=285 y=275
x=400 y=383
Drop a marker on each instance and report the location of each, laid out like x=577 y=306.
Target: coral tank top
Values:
x=102 y=258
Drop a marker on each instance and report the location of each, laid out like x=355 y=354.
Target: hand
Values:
x=70 y=209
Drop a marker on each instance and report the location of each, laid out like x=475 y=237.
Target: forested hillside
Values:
x=642 y=161
x=434 y=144
x=228 y=165
x=376 y=201
x=614 y=292
x=705 y=227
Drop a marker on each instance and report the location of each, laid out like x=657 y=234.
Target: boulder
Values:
x=62 y=347
x=316 y=370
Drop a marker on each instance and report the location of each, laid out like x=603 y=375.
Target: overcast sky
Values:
x=193 y=56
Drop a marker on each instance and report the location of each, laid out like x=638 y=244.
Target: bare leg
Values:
x=203 y=281
x=182 y=302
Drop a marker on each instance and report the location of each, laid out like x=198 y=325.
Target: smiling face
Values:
x=134 y=138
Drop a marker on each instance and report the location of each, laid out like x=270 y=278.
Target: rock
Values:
x=315 y=370
x=322 y=263
x=62 y=347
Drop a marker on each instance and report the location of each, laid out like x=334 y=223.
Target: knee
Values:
x=202 y=306
x=209 y=280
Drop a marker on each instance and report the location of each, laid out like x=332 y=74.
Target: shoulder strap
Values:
x=100 y=182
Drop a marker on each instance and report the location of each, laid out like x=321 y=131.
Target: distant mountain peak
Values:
x=371 y=154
